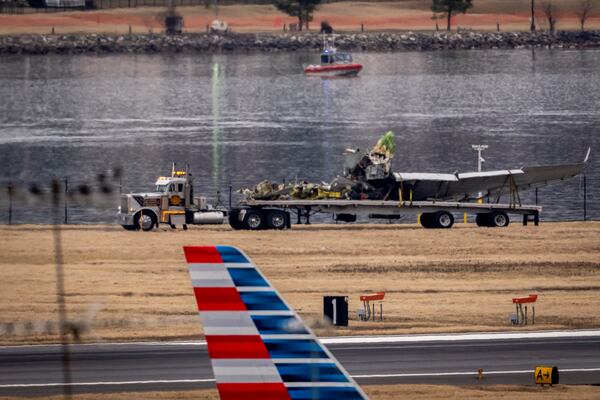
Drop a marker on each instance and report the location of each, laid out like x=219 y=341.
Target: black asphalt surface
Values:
x=156 y=366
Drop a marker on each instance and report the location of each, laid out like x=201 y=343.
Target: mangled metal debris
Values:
x=359 y=169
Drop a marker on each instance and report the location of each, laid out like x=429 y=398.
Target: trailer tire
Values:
x=145 y=221
x=277 y=219
x=498 y=219
x=255 y=220
x=443 y=220
x=234 y=221
x=482 y=219
x=426 y=220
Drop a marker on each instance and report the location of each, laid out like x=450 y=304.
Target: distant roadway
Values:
x=506 y=358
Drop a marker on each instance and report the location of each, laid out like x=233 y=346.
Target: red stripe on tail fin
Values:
x=253 y=391
x=236 y=346
x=202 y=255
x=218 y=299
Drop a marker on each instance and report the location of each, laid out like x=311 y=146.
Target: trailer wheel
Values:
x=254 y=220
x=499 y=219
x=276 y=219
x=426 y=220
x=443 y=220
x=145 y=221
x=483 y=219
x=234 y=222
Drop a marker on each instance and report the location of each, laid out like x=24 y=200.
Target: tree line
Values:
x=304 y=9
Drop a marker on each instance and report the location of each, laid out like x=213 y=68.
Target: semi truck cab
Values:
x=172 y=203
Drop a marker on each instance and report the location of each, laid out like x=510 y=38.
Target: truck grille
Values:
x=124 y=204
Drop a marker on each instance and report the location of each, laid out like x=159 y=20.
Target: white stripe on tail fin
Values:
x=259 y=347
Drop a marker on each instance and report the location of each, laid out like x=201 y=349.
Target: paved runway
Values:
x=450 y=359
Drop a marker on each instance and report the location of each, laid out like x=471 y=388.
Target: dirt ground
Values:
x=391 y=392
x=511 y=15
x=134 y=285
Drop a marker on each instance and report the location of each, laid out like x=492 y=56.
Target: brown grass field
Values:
x=512 y=15
x=391 y=392
x=458 y=280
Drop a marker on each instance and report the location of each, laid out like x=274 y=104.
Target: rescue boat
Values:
x=334 y=64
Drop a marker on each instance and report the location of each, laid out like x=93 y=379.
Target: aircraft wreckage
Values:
x=368 y=186
x=368 y=176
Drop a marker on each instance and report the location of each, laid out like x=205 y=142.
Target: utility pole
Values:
x=60 y=291
x=532 y=27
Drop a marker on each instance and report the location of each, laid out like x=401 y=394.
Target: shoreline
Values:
x=269 y=42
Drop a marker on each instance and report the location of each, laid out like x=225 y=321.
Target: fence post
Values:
x=584 y=198
x=10 y=191
x=66 y=204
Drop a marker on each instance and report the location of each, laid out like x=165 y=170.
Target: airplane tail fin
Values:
x=258 y=346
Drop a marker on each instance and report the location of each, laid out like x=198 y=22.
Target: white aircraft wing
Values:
x=465 y=186
x=258 y=346
x=494 y=182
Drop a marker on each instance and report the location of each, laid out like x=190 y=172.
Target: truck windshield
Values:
x=162 y=188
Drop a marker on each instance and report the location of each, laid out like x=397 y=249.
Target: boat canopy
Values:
x=335 y=58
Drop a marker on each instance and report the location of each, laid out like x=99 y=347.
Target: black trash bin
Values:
x=336 y=309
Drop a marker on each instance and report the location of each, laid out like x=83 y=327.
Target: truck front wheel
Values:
x=145 y=221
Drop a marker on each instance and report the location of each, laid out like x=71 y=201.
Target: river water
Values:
x=239 y=118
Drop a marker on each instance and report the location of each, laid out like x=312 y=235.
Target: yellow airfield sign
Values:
x=546 y=375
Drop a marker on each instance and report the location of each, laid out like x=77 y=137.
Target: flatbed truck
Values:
x=276 y=214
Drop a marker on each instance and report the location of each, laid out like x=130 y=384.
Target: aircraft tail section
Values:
x=258 y=346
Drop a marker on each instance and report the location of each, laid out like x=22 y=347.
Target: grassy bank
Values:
x=134 y=285
x=511 y=15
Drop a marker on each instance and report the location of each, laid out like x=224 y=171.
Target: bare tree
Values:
x=450 y=8
x=549 y=11
x=584 y=10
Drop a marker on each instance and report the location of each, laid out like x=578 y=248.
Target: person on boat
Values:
x=326 y=28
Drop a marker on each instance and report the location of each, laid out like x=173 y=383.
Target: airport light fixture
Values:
x=479 y=148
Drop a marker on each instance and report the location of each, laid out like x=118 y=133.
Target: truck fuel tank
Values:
x=208 y=217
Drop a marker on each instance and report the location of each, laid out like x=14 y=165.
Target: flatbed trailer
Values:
x=275 y=214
